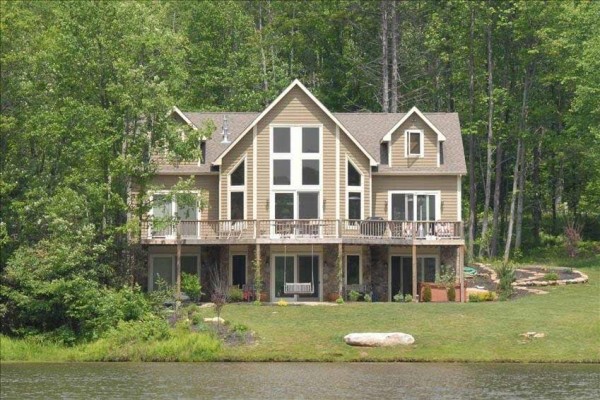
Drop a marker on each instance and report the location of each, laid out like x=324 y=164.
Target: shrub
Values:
x=239 y=328
x=551 y=276
x=190 y=285
x=340 y=300
x=282 y=303
x=506 y=276
x=408 y=298
x=451 y=293
x=483 y=296
x=353 y=295
x=368 y=298
x=235 y=294
x=398 y=297
x=426 y=294
x=474 y=298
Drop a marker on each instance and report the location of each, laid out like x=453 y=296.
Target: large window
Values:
x=163 y=269
x=296 y=172
x=237 y=186
x=166 y=212
x=414 y=143
x=354 y=191
x=414 y=206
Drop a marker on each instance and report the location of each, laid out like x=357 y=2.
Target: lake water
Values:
x=300 y=380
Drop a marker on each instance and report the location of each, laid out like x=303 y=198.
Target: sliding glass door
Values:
x=299 y=269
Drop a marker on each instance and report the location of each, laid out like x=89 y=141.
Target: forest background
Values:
x=86 y=89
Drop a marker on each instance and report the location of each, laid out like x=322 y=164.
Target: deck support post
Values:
x=461 y=272
x=340 y=269
x=414 y=271
x=178 y=269
x=257 y=266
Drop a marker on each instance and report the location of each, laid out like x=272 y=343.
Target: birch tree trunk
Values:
x=385 y=94
x=490 y=137
x=472 y=181
x=394 y=20
x=513 y=199
x=497 y=189
x=537 y=197
x=520 y=194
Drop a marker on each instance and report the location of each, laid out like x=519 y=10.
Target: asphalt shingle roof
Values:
x=367 y=128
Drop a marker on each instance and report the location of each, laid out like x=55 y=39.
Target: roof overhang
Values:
x=181 y=115
x=414 y=110
x=295 y=83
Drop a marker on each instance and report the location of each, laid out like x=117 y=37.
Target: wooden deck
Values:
x=376 y=232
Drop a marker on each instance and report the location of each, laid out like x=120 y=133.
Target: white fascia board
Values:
x=177 y=111
x=388 y=136
x=295 y=83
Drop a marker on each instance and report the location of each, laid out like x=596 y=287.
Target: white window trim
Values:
x=238 y=188
x=407 y=133
x=419 y=256
x=174 y=208
x=360 y=268
x=296 y=157
x=353 y=189
x=231 y=255
x=173 y=267
x=436 y=193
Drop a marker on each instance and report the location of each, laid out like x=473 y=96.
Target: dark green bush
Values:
x=451 y=293
x=551 y=276
x=426 y=294
x=506 y=276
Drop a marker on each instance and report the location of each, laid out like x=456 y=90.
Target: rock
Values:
x=215 y=319
x=536 y=335
x=539 y=335
x=207 y=305
x=371 y=339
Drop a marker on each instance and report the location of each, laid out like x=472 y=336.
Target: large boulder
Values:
x=371 y=339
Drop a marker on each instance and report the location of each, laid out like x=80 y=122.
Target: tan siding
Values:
x=209 y=184
x=446 y=184
x=242 y=149
x=429 y=143
x=296 y=108
x=361 y=161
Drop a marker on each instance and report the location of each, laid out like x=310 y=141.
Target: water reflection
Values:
x=300 y=380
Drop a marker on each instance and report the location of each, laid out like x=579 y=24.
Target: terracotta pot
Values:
x=332 y=297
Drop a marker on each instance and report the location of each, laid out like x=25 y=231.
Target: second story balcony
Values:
x=310 y=231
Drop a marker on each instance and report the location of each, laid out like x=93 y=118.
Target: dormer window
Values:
x=414 y=143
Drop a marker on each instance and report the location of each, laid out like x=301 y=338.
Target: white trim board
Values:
x=414 y=110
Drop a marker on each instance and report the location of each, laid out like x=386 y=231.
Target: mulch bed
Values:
x=481 y=280
x=530 y=271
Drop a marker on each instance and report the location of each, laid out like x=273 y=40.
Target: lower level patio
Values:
x=306 y=272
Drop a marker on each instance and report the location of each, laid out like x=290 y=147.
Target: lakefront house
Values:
x=314 y=202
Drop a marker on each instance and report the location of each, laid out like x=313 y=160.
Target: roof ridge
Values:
x=222 y=112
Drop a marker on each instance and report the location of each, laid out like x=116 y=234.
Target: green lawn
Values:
x=569 y=316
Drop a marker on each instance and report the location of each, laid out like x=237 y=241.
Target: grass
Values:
x=489 y=331
x=569 y=316
x=182 y=345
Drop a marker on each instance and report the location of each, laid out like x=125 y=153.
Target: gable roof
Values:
x=414 y=110
x=295 y=83
x=367 y=130
x=370 y=128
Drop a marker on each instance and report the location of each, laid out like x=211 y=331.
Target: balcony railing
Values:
x=304 y=229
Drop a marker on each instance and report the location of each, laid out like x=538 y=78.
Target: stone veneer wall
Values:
x=379 y=272
x=330 y=270
x=448 y=257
